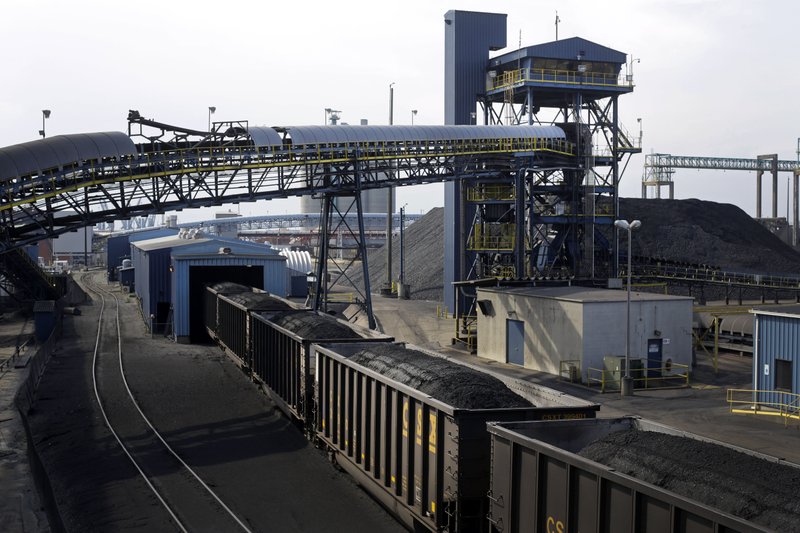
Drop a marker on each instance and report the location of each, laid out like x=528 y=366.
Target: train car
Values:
x=423 y=459
x=282 y=359
x=211 y=303
x=539 y=482
x=235 y=317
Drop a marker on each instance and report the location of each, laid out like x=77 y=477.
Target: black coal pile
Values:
x=229 y=287
x=258 y=301
x=754 y=489
x=709 y=233
x=312 y=326
x=449 y=382
x=691 y=231
x=424 y=258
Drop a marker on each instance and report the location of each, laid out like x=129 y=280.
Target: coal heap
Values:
x=448 y=382
x=691 y=231
x=311 y=326
x=751 y=488
x=708 y=233
x=424 y=258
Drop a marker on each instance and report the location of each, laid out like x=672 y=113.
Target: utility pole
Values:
x=387 y=288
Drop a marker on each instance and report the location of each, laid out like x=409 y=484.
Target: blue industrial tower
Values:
x=539 y=222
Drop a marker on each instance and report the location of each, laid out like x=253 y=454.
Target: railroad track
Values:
x=190 y=502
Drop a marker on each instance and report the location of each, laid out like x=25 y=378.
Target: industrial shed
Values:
x=542 y=327
x=776 y=353
x=118 y=247
x=171 y=272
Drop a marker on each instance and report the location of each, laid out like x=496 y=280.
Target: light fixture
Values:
x=45 y=115
x=211 y=110
x=626 y=387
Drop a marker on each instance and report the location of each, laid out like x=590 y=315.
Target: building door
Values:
x=515 y=342
x=655 y=349
x=783 y=375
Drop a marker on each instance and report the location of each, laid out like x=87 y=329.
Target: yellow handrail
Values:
x=541 y=75
x=667 y=378
x=752 y=401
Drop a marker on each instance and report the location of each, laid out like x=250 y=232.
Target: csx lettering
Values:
x=554 y=526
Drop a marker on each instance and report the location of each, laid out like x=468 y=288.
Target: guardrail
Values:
x=26 y=394
x=751 y=402
x=668 y=377
x=512 y=78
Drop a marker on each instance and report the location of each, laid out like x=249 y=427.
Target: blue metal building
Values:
x=776 y=352
x=171 y=273
x=119 y=247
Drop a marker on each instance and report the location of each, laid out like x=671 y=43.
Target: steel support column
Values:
x=519 y=230
x=322 y=255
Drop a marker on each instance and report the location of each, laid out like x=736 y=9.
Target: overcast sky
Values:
x=716 y=77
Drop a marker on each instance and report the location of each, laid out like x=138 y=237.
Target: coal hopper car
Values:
x=410 y=426
x=628 y=475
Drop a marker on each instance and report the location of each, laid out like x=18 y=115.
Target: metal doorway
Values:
x=515 y=342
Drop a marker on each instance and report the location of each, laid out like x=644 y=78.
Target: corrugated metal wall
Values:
x=777 y=337
x=274 y=280
x=116 y=248
x=468 y=38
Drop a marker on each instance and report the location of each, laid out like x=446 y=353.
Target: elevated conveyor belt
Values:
x=55 y=185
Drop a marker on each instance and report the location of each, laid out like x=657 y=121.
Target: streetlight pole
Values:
x=45 y=115
x=627 y=381
x=211 y=111
x=639 y=120
x=387 y=288
x=413 y=114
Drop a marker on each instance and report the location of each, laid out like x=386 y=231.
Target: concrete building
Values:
x=541 y=327
x=776 y=353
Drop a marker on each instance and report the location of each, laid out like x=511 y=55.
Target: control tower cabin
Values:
x=567 y=212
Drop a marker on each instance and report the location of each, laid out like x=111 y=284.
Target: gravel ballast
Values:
x=749 y=487
x=448 y=382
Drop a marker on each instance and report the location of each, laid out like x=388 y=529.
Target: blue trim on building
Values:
x=777 y=337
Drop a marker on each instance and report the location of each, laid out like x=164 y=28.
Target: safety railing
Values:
x=496 y=237
x=229 y=158
x=710 y=275
x=483 y=192
x=764 y=402
x=665 y=377
x=569 y=370
x=556 y=76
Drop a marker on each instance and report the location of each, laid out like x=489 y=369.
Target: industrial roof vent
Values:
x=225 y=250
x=198 y=234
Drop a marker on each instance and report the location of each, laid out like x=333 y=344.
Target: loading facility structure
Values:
x=558 y=329
x=521 y=220
x=171 y=274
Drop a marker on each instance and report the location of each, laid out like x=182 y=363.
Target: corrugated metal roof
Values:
x=567 y=49
x=151 y=234
x=170 y=241
x=264 y=136
x=582 y=294
x=36 y=156
x=301 y=135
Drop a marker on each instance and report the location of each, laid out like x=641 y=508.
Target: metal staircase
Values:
x=18 y=268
